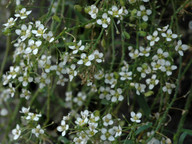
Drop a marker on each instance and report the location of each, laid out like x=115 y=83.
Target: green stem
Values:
x=8 y=46
x=113 y=46
x=182 y=120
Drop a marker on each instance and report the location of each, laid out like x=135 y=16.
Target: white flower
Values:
x=93 y=11
x=25 y=110
x=163 y=29
x=168 y=87
x=160 y=55
x=77 y=47
x=152 y=81
x=158 y=65
x=107 y=120
x=37 y=131
x=169 y=35
x=33 y=116
x=10 y=22
x=23 y=13
x=134 y=54
x=63 y=128
x=140 y=88
x=153 y=38
x=72 y=72
x=125 y=75
x=99 y=75
x=107 y=134
x=85 y=60
x=42 y=80
x=54 y=7
x=61 y=81
x=49 y=36
x=136 y=117
x=98 y=56
x=144 y=70
x=3 y=112
x=40 y=31
x=16 y=132
x=116 y=95
x=144 y=13
x=79 y=140
x=181 y=47
x=105 y=93
x=105 y=21
x=118 y=13
x=144 y=51
x=168 y=68
x=81 y=121
x=118 y=130
x=24 y=32
x=33 y=47
x=80 y=98
x=25 y=79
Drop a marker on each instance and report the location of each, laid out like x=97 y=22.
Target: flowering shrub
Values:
x=92 y=72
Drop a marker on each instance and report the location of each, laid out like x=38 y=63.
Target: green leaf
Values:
x=64 y=140
x=126 y=35
x=143 y=128
x=128 y=142
x=105 y=102
x=149 y=93
x=184 y=134
x=142 y=33
x=143 y=104
x=56 y=18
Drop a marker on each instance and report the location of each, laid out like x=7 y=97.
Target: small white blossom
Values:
x=10 y=22
x=168 y=87
x=23 y=13
x=105 y=21
x=136 y=117
x=16 y=132
x=140 y=88
x=144 y=70
x=99 y=75
x=37 y=131
x=107 y=134
x=116 y=95
x=33 y=116
x=25 y=94
x=144 y=13
x=134 y=54
x=118 y=131
x=144 y=51
x=163 y=29
x=107 y=120
x=181 y=47
x=63 y=127
x=152 y=81
x=93 y=11
x=105 y=93
x=49 y=36
x=80 y=98
x=40 y=30
x=86 y=60
x=33 y=47
x=77 y=47
x=169 y=35
x=153 y=38
x=24 y=32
